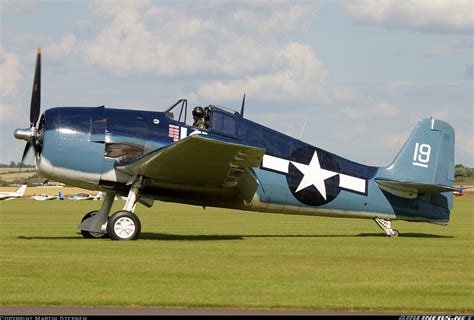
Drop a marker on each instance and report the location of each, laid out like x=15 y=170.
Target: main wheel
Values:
x=92 y=235
x=124 y=225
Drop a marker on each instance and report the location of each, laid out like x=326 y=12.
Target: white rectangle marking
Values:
x=183 y=133
x=352 y=183
x=274 y=163
x=420 y=164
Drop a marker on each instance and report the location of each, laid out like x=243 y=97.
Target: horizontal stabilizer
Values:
x=410 y=189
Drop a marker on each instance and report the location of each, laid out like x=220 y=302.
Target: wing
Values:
x=201 y=161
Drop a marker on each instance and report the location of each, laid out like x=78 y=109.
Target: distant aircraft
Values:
x=458 y=192
x=45 y=197
x=13 y=195
x=224 y=160
x=85 y=196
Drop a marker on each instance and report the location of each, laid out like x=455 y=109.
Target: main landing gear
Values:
x=122 y=225
x=386 y=226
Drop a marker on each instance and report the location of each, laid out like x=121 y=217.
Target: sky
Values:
x=350 y=77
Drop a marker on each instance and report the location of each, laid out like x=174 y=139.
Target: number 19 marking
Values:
x=421 y=157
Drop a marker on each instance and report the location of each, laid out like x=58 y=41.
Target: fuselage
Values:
x=83 y=196
x=82 y=147
x=43 y=197
x=13 y=195
x=9 y=195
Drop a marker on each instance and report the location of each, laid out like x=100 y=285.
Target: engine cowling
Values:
x=73 y=144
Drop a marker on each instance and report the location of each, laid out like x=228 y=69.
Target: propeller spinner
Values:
x=30 y=135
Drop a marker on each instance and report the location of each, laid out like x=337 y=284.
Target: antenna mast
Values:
x=242 y=109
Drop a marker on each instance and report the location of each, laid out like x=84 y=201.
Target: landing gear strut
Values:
x=94 y=224
x=386 y=226
x=122 y=225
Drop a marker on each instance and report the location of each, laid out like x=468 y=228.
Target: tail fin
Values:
x=427 y=157
x=420 y=180
x=60 y=195
x=21 y=190
x=98 y=196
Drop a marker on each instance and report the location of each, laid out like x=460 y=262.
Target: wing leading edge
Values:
x=201 y=161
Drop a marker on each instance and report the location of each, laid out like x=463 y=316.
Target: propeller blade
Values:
x=36 y=94
x=25 y=152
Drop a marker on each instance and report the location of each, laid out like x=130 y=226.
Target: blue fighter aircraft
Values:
x=224 y=160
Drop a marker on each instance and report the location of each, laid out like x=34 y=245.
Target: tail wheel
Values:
x=395 y=233
x=92 y=235
x=124 y=225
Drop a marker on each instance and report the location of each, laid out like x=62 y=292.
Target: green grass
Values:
x=190 y=257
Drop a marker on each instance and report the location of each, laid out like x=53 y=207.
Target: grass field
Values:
x=10 y=174
x=190 y=257
x=10 y=170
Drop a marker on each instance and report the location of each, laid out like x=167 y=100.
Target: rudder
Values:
x=427 y=156
x=21 y=190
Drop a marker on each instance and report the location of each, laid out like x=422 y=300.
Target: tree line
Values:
x=16 y=165
x=462 y=171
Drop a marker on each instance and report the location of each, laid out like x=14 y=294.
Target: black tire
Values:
x=92 y=235
x=124 y=225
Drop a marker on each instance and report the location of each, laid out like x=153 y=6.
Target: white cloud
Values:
x=470 y=72
x=379 y=110
x=10 y=77
x=289 y=122
x=299 y=76
x=57 y=51
x=448 y=49
x=346 y=94
x=387 y=109
x=15 y=6
x=279 y=19
x=236 y=48
x=394 y=140
x=189 y=39
x=9 y=73
x=123 y=44
x=465 y=144
x=8 y=112
x=443 y=113
x=437 y=16
x=355 y=113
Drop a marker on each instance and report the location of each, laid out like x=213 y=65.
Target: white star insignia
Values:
x=313 y=175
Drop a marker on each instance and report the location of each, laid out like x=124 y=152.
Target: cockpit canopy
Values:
x=211 y=118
